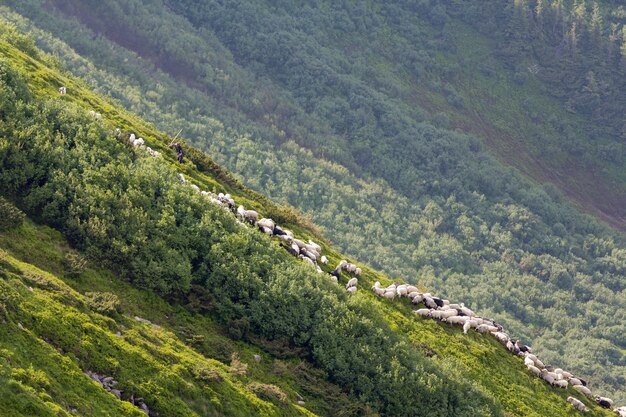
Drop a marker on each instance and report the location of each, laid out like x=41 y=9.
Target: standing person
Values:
x=180 y=152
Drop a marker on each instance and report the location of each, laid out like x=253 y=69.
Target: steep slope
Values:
x=68 y=170
x=467 y=227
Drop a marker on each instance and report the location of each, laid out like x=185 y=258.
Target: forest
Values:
x=401 y=130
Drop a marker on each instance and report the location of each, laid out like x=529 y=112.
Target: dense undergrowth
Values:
x=129 y=214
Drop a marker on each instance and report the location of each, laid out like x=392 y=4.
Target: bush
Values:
x=10 y=216
x=267 y=392
x=75 y=263
x=103 y=302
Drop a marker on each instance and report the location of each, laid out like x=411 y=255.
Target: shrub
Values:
x=75 y=263
x=267 y=392
x=103 y=302
x=10 y=216
x=236 y=366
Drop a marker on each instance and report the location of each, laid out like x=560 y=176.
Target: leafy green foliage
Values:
x=103 y=302
x=10 y=216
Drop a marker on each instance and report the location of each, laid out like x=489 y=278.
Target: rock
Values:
x=107 y=380
x=142 y=320
x=300 y=402
x=20 y=326
x=118 y=333
x=257 y=358
x=145 y=408
x=117 y=393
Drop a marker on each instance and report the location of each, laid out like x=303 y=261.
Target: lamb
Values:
x=352 y=282
x=324 y=260
x=250 y=216
x=561 y=383
x=604 y=402
x=577 y=404
x=351 y=290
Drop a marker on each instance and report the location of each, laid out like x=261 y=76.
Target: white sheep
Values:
x=267 y=223
x=182 y=178
x=138 y=142
x=250 y=216
x=417 y=298
x=429 y=302
x=390 y=295
x=583 y=389
x=324 y=260
x=577 y=404
x=549 y=377
x=352 y=282
x=318 y=248
x=358 y=271
x=401 y=290
x=621 y=411
x=63 y=90
x=561 y=383
x=195 y=187
x=504 y=338
x=131 y=138
x=486 y=328
x=534 y=370
x=574 y=381
x=457 y=320
x=424 y=312
x=351 y=290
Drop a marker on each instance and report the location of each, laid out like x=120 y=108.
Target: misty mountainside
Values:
x=367 y=120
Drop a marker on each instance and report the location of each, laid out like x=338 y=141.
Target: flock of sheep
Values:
x=436 y=308
x=458 y=314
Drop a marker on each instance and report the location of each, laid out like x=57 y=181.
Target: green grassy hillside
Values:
x=348 y=112
x=118 y=208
